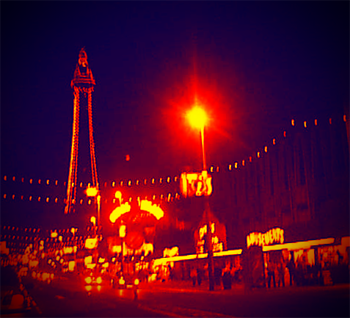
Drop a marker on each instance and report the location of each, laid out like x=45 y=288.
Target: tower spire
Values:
x=83 y=84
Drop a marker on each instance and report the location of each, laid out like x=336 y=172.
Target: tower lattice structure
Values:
x=83 y=85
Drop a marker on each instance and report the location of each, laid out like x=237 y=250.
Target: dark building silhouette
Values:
x=299 y=183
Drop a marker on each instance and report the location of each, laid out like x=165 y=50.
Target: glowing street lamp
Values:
x=198 y=119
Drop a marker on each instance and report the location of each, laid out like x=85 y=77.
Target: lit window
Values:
x=236 y=165
x=22 y=179
x=14 y=178
x=30 y=198
x=56 y=200
x=31 y=181
x=81 y=185
x=137 y=182
x=56 y=182
x=21 y=197
x=47 y=181
x=39 y=198
x=250 y=159
x=265 y=149
x=5 y=178
x=47 y=199
x=274 y=141
x=81 y=201
x=305 y=125
x=160 y=180
x=13 y=197
x=243 y=162
x=129 y=183
x=258 y=154
x=330 y=121
x=121 y=183
x=152 y=180
x=230 y=167
x=217 y=169
x=113 y=184
x=39 y=181
x=175 y=179
x=89 y=202
x=293 y=122
x=145 y=181
x=315 y=122
x=168 y=179
x=284 y=134
x=4 y=196
x=344 y=118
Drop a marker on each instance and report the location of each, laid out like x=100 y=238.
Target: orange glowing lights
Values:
x=98 y=280
x=122 y=231
x=88 y=288
x=91 y=243
x=197 y=117
x=91 y=191
x=118 y=195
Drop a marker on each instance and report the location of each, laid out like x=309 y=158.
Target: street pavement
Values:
x=65 y=298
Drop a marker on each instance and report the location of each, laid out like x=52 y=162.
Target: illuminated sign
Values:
x=298 y=245
x=262 y=239
x=196 y=184
x=119 y=211
x=217 y=245
x=154 y=209
x=145 y=205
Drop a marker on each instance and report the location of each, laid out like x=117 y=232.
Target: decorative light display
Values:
x=71 y=188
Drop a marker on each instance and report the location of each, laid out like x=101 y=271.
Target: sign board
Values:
x=275 y=235
x=196 y=184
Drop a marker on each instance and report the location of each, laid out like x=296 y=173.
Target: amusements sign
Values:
x=275 y=235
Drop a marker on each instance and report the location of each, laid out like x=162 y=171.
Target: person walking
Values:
x=271 y=267
x=280 y=272
x=193 y=274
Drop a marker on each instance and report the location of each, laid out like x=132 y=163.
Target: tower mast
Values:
x=83 y=84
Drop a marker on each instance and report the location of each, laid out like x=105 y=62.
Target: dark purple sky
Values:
x=255 y=65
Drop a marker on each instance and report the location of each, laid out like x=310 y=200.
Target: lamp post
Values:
x=198 y=119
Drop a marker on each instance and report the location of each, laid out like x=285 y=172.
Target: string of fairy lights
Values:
x=168 y=197
x=19 y=238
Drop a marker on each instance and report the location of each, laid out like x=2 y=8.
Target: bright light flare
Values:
x=197 y=117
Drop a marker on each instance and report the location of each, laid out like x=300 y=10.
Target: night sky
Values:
x=253 y=65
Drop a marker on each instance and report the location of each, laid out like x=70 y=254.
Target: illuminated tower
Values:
x=83 y=86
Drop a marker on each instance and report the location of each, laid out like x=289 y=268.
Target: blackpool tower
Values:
x=83 y=85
